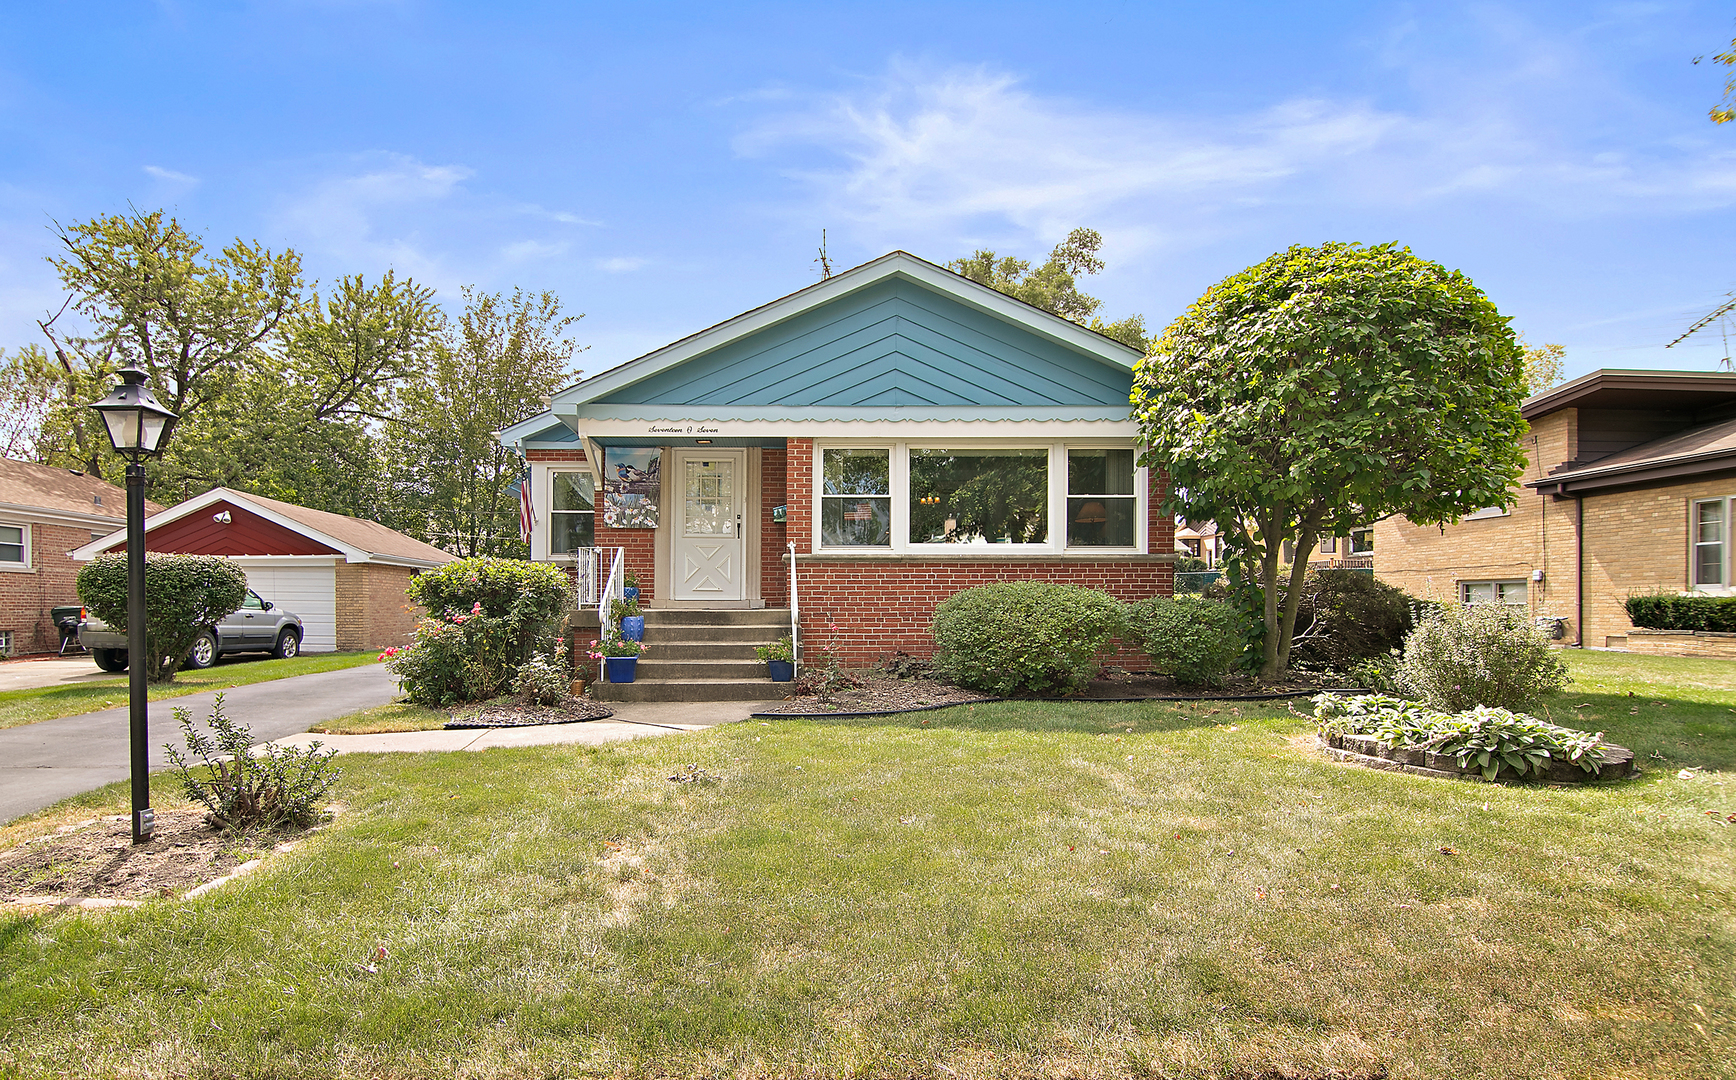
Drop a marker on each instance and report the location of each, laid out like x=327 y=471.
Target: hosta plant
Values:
x=1492 y=740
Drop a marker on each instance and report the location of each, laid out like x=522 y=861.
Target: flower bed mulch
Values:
x=882 y=694
x=516 y=712
x=97 y=859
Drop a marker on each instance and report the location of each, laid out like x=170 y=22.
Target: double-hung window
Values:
x=572 y=512
x=1709 y=531
x=1102 y=507
x=856 y=498
x=14 y=547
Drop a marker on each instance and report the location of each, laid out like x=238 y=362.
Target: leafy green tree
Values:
x=448 y=474
x=1725 y=110
x=184 y=596
x=152 y=296
x=31 y=390
x=1054 y=286
x=1325 y=388
x=1545 y=366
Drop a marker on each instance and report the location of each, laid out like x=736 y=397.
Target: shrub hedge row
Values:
x=1671 y=611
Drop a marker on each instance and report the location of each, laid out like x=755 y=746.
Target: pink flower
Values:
x=477 y=610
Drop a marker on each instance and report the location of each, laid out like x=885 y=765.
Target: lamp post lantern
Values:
x=139 y=428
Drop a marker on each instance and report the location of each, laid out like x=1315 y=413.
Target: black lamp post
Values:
x=139 y=428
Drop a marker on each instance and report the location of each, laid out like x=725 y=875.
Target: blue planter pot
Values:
x=633 y=627
x=630 y=592
x=781 y=670
x=620 y=668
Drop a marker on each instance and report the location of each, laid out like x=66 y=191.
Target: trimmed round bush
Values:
x=1024 y=637
x=1349 y=616
x=1462 y=656
x=185 y=595
x=1192 y=640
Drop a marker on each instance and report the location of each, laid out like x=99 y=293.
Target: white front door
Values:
x=709 y=548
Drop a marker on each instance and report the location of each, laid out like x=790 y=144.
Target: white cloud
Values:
x=620 y=264
x=969 y=155
x=170 y=175
x=533 y=249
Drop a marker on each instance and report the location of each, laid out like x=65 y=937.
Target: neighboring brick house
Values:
x=1629 y=488
x=344 y=576
x=46 y=513
x=910 y=431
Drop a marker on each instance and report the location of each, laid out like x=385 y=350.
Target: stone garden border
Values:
x=1372 y=754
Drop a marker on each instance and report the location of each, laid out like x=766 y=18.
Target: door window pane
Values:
x=710 y=497
x=1709 y=542
x=572 y=513
x=11 y=543
x=855 y=498
x=1101 y=504
x=979 y=496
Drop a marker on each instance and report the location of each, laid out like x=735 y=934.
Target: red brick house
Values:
x=45 y=514
x=344 y=576
x=903 y=430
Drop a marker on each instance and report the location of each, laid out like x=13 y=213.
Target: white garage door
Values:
x=309 y=591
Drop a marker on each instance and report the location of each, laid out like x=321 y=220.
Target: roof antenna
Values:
x=824 y=261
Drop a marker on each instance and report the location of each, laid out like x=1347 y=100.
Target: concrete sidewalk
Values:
x=632 y=720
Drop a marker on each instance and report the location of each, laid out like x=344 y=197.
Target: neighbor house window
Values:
x=856 y=498
x=1492 y=592
x=1101 y=503
x=1329 y=545
x=1361 y=541
x=572 y=513
x=971 y=496
x=1710 y=526
x=14 y=546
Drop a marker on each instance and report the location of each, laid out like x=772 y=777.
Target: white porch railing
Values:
x=591 y=573
x=610 y=593
x=795 y=616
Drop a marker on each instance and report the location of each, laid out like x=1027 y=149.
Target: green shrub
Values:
x=546 y=678
x=1347 y=615
x=247 y=787
x=485 y=619
x=1193 y=640
x=1462 y=656
x=1490 y=739
x=1024 y=637
x=1673 y=611
x=184 y=596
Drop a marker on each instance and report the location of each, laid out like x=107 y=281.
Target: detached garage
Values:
x=344 y=576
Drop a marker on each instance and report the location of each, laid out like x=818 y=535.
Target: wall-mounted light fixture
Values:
x=221 y=518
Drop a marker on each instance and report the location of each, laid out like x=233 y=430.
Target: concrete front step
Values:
x=696 y=635
x=699 y=650
x=654 y=669
x=692 y=690
x=714 y=617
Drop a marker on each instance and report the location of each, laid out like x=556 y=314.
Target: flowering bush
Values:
x=485 y=618
x=1479 y=654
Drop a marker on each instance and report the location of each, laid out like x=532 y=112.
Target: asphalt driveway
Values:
x=45 y=762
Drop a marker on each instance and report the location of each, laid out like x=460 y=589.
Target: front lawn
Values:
x=1005 y=889
x=49 y=702
x=397 y=716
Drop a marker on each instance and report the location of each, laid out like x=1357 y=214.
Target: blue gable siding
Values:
x=894 y=343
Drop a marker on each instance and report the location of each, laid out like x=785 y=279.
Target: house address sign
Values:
x=691 y=429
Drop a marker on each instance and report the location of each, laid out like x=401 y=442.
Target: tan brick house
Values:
x=1629 y=488
x=46 y=513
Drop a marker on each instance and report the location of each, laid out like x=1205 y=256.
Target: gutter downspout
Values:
x=1579 y=572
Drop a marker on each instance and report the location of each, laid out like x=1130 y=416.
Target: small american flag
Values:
x=526 y=512
x=861 y=512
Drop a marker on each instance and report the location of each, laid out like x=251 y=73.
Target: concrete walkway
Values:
x=45 y=762
x=69 y=670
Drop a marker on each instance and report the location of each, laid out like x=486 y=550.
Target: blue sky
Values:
x=665 y=166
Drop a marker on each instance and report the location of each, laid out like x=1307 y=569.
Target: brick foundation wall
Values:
x=27 y=597
x=884 y=606
x=774 y=488
x=1678 y=643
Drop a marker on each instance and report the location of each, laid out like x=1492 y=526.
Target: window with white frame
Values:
x=572 y=512
x=933 y=496
x=14 y=546
x=856 y=498
x=1709 y=529
x=1493 y=592
x=1102 y=507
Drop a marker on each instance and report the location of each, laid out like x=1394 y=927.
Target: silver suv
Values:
x=256 y=626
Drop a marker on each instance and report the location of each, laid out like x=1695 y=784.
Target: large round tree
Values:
x=1326 y=388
